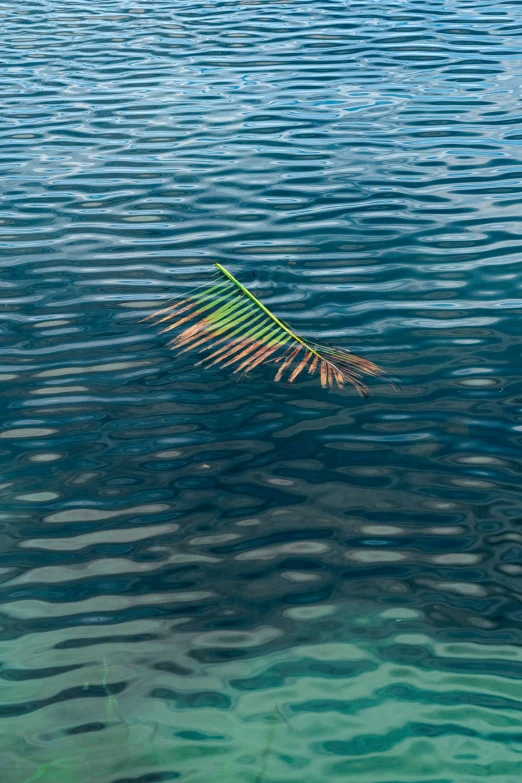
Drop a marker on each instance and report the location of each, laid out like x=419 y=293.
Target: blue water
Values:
x=207 y=579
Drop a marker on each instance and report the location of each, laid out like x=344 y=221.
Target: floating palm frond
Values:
x=230 y=326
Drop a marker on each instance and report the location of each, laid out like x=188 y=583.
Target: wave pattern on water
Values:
x=211 y=580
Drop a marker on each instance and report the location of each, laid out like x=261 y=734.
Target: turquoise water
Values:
x=210 y=580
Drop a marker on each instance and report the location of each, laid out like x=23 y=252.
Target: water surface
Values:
x=210 y=580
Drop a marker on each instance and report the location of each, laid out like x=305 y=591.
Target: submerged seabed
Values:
x=210 y=580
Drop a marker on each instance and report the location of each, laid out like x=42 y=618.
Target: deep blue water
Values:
x=211 y=580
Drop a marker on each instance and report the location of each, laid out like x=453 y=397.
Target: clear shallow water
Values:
x=208 y=580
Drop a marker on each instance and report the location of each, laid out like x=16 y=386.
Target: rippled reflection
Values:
x=215 y=580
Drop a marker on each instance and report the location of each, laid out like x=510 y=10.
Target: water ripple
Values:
x=207 y=580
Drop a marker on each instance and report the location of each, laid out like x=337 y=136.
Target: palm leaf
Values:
x=225 y=323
